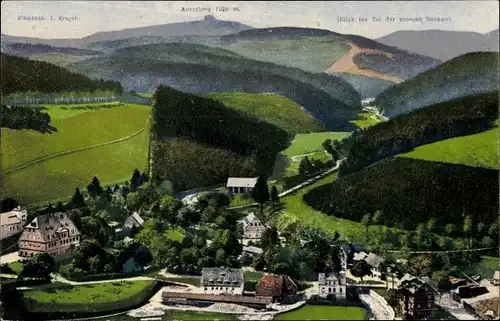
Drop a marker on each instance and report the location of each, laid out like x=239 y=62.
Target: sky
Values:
x=88 y=17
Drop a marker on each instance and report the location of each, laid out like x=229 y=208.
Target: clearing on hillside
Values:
x=478 y=150
x=310 y=143
x=69 y=157
x=272 y=108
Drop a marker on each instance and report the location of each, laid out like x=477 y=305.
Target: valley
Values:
x=142 y=168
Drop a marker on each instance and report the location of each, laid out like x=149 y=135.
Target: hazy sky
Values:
x=95 y=16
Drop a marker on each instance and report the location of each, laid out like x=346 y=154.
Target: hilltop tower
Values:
x=210 y=17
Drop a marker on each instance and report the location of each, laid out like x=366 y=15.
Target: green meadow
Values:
x=42 y=167
x=478 y=150
x=272 y=108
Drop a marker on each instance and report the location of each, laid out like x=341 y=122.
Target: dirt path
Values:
x=347 y=65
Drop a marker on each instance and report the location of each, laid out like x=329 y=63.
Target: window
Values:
x=340 y=290
x=333 y=290
x=329 y=290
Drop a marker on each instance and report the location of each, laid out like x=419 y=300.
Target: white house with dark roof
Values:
x=332 y=284
x=12 y=222
x=222 y=280
x=252 y=227
x=241 y=184
x=134 y=220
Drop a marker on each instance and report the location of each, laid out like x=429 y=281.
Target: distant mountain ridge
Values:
x=440 y=44
x=208 y=27
x=25 y=49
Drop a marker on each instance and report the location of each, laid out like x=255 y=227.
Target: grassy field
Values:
x=16 y=266
x=485 y=268
x=175 y=234
x=272 y=108
x=252 y=275
x=241 y=199
x=479 y=150
x=89 y=293
x=75 y=128
x=320 y=312
x=111 y=163
x=314 y=54
x=366 y=120
x=309 y=143
x=293 y=166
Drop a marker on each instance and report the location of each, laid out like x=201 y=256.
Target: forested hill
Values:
x=226 y=142
x=469 y=74
x=22 y=75
x=458 y=117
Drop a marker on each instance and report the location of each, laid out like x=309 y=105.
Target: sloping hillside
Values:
x=23 y=75
x=458 y=117
x=478 y=150
x=441 y=44
x=465 y=75
x=273 y=109
x=319 y=50
x=194 y=68
x=227 y=142
x=409 y=192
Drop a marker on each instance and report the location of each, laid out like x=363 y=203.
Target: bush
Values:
x=250 y=286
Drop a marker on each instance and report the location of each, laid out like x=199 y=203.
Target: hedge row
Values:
x=20 y=283
x=107 y=276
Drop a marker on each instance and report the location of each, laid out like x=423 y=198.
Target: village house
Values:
x=334 y=285
x=240 y=184
x=252 y=227
x=418 y=297
x=133 y=221
x=280 y=287
x=222 y=281
x=12 y=222
x=375 y=262
x=49 y=233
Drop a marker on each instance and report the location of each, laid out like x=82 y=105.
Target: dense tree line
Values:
x=463 y=116
x=409 y=192
x=183 y=116
x=21 y=74
x=25 y=118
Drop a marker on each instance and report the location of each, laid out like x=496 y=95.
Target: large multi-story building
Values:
x=49 y=233
x=418 y=297
x=12 y=222
x=333 y=284
x=222 y=281
x=252 y=227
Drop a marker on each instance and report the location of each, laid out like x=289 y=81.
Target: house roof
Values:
x=360 y=256
x=250 y=218
x=241 y=182
x=413 y=284
x=217 y=298
x=9 y=218
x=252 y=249
x=137 y=218
x=374 y=260
x=49 y=226
x=330 y=276
x=273 y=285
x=220 y=275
